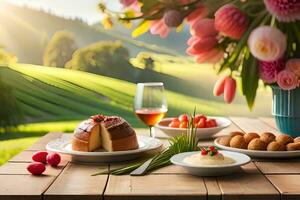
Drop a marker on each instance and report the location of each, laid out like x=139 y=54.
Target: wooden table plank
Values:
x=291 y=166
x=23 y=187
x=213 y=189
x=253 y=125
x=160 y=186
x=288 y=185
x=248 y=184
x=25 y=157
x=41 y=143
x=21 y=169
x=269 y=120
x=76 y=182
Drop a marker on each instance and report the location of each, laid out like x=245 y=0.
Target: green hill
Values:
x=56 y=94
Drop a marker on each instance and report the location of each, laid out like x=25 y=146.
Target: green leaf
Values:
x=141 y=29
x=250 y=78
x=148 y=5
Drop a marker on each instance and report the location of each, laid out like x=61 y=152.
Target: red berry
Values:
x=183 y=125
x=36 y=168
x=175 y=123
x=211 y=148
x=173 y=18
x=203 y=152
x=176 y=120
x=53 y=159
x=40 y=156
x=211 y=123
x=197 y=119
x=201 y=123
x=184 y=118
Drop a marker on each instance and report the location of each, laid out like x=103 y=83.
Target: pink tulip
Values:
x=204 y=28
x=267 y=43
x=158 y=27
x=229 y=89
x=287 y=80
x=204 y=44
x=196 y=15
x=212 y=56
x=191 y=40
x=230 y=21
x=219 y=86
x=294 y=66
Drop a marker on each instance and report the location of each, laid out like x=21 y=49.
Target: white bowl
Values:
x=202 y=133
x=212 y=170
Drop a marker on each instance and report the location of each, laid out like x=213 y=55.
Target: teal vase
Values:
x=286 y=110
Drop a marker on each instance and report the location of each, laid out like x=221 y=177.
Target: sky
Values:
x=84 y=9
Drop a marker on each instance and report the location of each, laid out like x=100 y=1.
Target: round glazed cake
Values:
x=112 y=133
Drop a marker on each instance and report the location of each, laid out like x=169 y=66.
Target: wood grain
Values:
x=253 y=125
x=21 y=169
x=291 y=166
x=26 y=157
x=76 y=182
x=43 y=141
x=23 y=187
x=248 y=184
x=288 y=185
x=269 y=120
x=179 y=186
x=213 y=189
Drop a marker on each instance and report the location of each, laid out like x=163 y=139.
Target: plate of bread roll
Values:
x=263 y=145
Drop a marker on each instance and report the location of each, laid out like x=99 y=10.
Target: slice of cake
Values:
x=117 y=135
x=110 y=133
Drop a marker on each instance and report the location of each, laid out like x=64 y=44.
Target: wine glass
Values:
x=150 y=103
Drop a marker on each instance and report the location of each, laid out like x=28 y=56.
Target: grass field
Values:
x=56 y=99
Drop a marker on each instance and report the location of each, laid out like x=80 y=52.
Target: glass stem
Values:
x=152 y=131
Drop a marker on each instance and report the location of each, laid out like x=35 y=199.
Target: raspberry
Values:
x=173 y=18
x=36 y=168
x=40 y=156
x=53 y=159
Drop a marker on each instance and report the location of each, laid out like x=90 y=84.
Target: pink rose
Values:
x=294 y=66
x=267 y=43
x=287 y=80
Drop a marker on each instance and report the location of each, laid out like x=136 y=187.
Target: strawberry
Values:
x=183 y=118
x=53 y=159
x=211 y=123
x=183 y=125
x=175 y=123
x=201 y=123
x=36 y=168
x=203 y=152
x=40 y=156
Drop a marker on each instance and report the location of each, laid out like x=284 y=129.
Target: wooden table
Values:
x=259 y=180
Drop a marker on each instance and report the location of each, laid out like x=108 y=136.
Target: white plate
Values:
x=63 y=145
x=202 y=133
x=212 y=170
x=260 y=154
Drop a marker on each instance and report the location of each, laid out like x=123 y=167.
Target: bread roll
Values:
x=275 y=146
x=293 y=146
x=297 y=139
x=257 y=144
x=250 y=136
x=234 y=133
x=267 y=137
x=225 y=141
x=239 y=142
x=284 y=139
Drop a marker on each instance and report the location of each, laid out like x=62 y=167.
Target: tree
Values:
x=105 y=57
x=59 y=49
x=7 y=58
